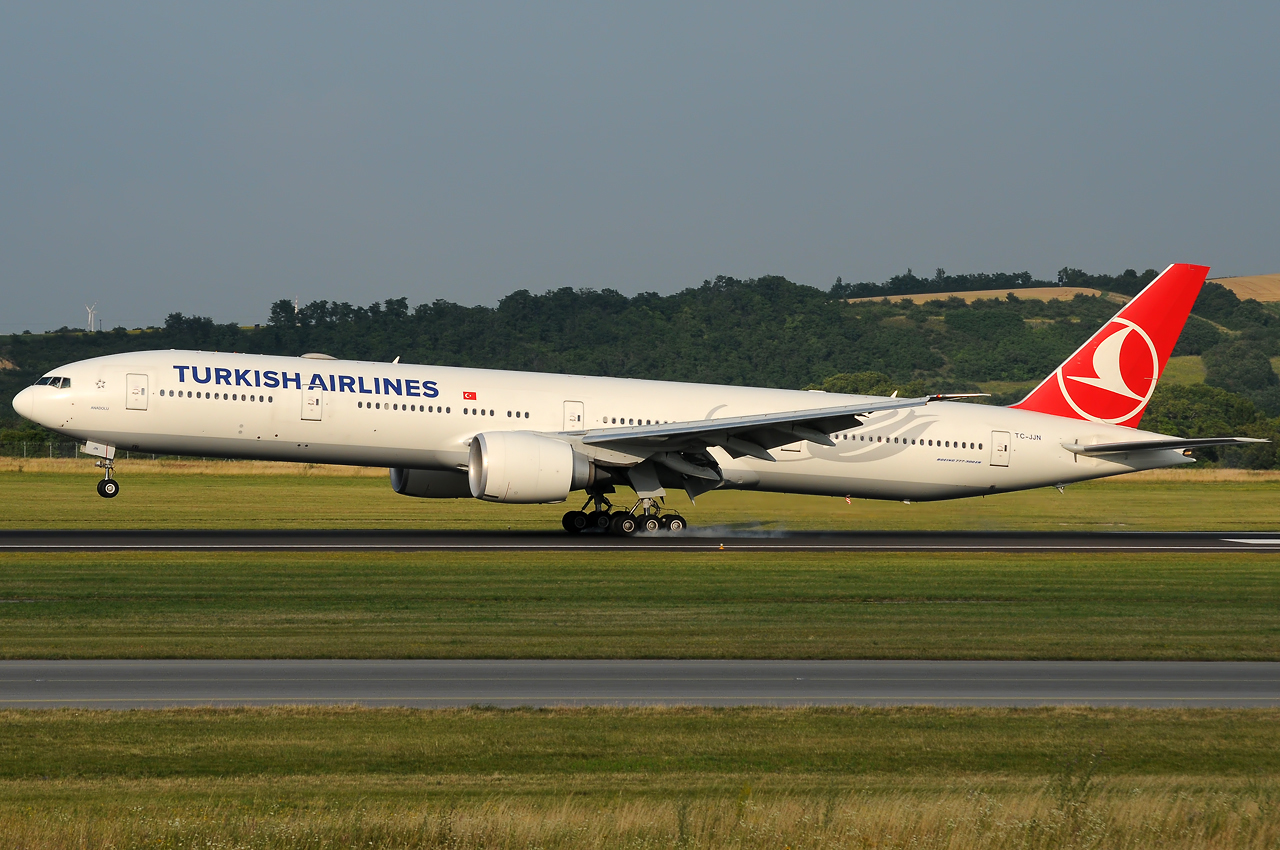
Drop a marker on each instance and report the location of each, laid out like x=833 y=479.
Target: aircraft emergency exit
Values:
x=521 y=437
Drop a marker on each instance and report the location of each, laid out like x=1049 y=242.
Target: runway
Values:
x=435 y=684
x=740 y=539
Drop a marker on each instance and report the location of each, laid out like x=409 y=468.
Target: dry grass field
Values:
x=1264 y=287
x=679 y=778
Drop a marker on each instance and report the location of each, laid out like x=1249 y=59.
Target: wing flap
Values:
x=754 y=435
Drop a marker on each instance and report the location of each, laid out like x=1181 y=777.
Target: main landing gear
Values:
x=645 y=518
x=108 y=487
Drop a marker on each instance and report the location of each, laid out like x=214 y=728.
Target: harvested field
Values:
x=1264 y=287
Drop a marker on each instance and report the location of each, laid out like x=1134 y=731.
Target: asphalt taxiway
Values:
x=696 y=539
x=441 y=683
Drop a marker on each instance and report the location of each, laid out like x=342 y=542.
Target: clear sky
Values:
x=213 y=157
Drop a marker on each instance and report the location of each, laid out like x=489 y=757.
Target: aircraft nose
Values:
x=25 y=404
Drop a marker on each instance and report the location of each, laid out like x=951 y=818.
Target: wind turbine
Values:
x=93 y=314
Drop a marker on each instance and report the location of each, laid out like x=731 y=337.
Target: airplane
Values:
x=521 y=437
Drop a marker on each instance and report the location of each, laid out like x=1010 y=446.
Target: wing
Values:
x=744 y=435
x=1159 y=445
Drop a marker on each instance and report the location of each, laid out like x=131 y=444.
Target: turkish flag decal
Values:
x=468 y=396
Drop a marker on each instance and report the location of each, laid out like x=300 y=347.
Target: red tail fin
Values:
x=1112 y=376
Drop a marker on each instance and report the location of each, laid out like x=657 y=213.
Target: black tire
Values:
x=650 y=524
x=676 y=524
x=623 y=524
x=599 y=520
x=108 y=488
x=574 y=521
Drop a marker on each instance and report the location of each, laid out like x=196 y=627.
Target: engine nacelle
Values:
x=525 y=468
x=430 y=483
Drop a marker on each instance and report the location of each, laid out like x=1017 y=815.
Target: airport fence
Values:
x=54 y=448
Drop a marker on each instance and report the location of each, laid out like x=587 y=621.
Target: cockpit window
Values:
x=43 y=381
x=61 y=383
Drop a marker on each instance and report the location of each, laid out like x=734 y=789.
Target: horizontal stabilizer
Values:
x=1159 y=445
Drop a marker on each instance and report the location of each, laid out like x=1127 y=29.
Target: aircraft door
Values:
x=573 y=414
x=135 y=388
x=999 y=448
x=312 y=404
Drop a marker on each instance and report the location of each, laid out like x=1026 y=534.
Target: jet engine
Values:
x=430 y=483
x=525 y=468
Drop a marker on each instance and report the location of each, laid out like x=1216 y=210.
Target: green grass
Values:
x=667 y=745
x=756 y=777
x=636 y=604
x=1184 y=370
x=1202 y=499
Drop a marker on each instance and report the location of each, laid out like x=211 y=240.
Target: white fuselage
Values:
x=417 y=417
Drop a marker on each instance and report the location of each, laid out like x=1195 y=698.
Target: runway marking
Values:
x=1241 y=546
x=671 y=700
x=1254 y=541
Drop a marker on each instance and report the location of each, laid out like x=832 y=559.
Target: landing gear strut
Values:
x=597 y=519
x=108 y=487
x=648 y=518
x=645 y=517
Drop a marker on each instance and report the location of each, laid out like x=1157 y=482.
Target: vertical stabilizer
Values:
x=1112 y=376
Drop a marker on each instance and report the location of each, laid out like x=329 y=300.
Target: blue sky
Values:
x=211 y=158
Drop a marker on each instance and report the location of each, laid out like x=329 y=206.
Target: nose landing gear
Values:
x=108 y=487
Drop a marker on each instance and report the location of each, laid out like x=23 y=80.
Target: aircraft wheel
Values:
x=623 y=524
x=599 y=520
x=650 y=524
x=108 y=488
x=675 y=523
x=574 y=521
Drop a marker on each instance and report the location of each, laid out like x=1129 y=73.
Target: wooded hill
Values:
x=765 y=332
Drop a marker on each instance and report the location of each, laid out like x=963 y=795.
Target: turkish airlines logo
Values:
x=1112 y=378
